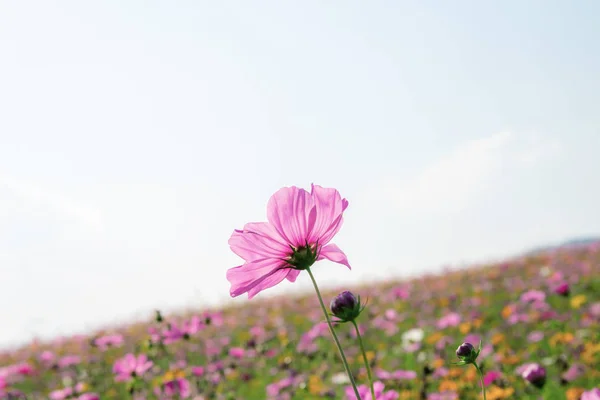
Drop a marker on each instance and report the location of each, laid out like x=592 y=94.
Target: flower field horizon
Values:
x=538 y=310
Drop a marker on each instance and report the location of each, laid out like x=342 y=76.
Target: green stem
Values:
x=364 y=353
x=335 y=338
x=480 y=379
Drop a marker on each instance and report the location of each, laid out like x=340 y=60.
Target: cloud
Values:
x=454 y=181
x=34 y=197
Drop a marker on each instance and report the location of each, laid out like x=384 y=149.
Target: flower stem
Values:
x=335 y=338
x=364 y=353
x=480 y=379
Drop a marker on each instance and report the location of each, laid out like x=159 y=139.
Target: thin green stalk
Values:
x=480 y=379
x=364 y=353
x=335 y=338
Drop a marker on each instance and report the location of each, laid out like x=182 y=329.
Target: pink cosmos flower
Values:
x=593 y=394
x=237 y=352
x=68 y=361
x=128 y=366
x=47 y=357
x=533 y=296
x=107 y=341
x=396 y=375
x=300 y=226
x=89 y=396
x=365 y=392
x=449 y=320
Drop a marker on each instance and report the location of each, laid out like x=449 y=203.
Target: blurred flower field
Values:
x=542 y=309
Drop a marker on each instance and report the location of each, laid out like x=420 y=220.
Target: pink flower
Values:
x=237 y=352
x=449 y=320
x=533 y=296
x=574 y=372
x=128 y=366
x=491 y=377
x=89 y=396
x=47 y=357
x=197 y=371
x=104 y=342
x=365 y=392
x=535 y=336
x=396 y=375
x=593 y=394
x=68 y=361
x=61 y=394
x=300 y=226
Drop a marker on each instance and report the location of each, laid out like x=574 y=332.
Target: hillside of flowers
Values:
x=533 y=313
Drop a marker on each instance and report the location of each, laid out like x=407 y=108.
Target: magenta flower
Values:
x=490 y=377
x=562 y=289
x=129 y=366
x=299 y=228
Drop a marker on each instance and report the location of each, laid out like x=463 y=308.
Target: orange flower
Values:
x=434 y=338
x=464 y=328
x=448 y=385
x=574 y=393
x=496 y=393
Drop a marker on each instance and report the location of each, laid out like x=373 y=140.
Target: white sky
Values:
x=135 y=136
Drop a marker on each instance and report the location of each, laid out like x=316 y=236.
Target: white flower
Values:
x=413 y=335
x=340 y=378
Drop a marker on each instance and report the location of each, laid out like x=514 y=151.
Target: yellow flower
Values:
x=578 y=301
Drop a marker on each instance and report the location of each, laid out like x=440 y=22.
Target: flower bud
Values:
x=466 y=353
x=346 y=306
x=535 y=374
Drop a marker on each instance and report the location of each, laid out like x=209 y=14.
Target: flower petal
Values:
x=291 y=211
x=269 y=282
x=330 y=207
x=333 y=253
x=292 y=275
x=256 y=241
x=252 y=274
